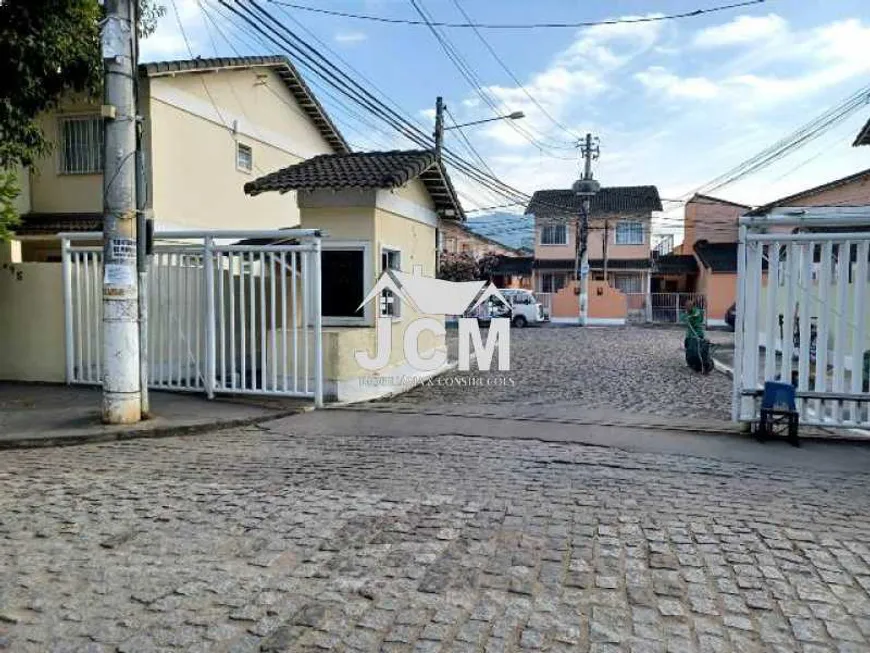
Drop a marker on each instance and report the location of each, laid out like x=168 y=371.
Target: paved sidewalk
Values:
x=40 y=415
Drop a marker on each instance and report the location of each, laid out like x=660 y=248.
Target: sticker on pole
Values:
x=584 y=270
x=123 y=249
x=119 y=276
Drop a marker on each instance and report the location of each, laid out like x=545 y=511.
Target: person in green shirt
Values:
x=696 y=344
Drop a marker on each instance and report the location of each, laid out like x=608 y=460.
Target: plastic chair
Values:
x=778 y=412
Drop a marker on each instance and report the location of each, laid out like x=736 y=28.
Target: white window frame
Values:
x=632 y=223
x=564 y=275
x=554 y=226
x=62 y=120
x=365 y=247
x=239 y=147
x=389 y=250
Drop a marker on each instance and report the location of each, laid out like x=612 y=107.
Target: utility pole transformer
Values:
x=585 y=188
x=121 y=378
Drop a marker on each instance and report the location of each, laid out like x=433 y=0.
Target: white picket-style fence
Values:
x=803 y=315
x=223 y=316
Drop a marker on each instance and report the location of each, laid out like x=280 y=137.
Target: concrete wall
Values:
x=193 y=122
x=606 y=304
x=595 y=243
x=193 y=147
x=22 y=201
x=31 y=322
x=713 y=221
x=855 y=193
x=720 y=290
x=52 y=192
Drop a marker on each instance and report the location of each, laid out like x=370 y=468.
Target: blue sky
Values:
x=675 y=103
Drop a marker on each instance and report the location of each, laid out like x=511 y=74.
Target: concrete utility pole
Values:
x=585 y=188
x=439 y=126
x=121 y=378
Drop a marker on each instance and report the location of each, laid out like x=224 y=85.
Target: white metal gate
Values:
x=803 y=315
x=239 y=317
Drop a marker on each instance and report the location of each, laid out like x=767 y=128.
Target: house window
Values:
x=553 y=281
x=390 y=306
x=554 y=234
x=342 y=290
x=244 y=157
x=450 y=245
x=629 y=233
x=81 y=145
x=628 y=284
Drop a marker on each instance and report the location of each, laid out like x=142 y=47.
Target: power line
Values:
x=473 y=80
x=514 y=77
x=321 y=66
x=565 y=25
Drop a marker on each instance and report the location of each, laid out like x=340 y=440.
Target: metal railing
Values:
x=222 y=318
x=802 y=316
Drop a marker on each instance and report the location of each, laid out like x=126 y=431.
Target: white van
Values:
x=525 y=308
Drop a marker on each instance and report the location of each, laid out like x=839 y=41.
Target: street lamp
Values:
x=516 y=115
x=440 y=128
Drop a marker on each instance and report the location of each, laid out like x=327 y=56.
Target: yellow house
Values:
x=211 y=131
x=208 y=126
x=378 y=210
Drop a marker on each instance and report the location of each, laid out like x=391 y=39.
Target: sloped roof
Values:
x=612 y=199
x=675 y=264
x=761 y=210
x=366 y=170
x=709 y=199
x=40 y=224
x=719 y=257
x=281 y=65
x=863 y=137
x=514 y=265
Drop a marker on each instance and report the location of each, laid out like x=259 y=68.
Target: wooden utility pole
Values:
x=121 y=374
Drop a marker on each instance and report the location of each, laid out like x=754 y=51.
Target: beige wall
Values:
x=714 y=222
x=52 y=192
x=605 y=302
x=595 y=243
x=22 y=202
x=195 y=179
x=191 y=151
x=32 y=323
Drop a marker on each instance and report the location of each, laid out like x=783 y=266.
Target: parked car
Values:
x=525 y=309
x=731 y=316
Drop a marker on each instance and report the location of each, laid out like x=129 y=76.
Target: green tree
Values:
x=48 y=49
x=458 y=267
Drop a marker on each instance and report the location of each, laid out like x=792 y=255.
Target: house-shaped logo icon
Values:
x=434 y=296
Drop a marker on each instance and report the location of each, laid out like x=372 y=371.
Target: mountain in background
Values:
x=510 y=229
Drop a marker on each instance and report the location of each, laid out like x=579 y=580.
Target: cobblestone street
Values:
x=314 y=533
x=632 y=369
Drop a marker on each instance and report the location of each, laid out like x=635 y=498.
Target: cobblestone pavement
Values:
x=306 y=535
x=632 y=369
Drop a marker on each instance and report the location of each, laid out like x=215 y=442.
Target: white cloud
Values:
x=770 y=72
x=576 y=75
x=743 y=29
x=658 y=79
x=350 y=38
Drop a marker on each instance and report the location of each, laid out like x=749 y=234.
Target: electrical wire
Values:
x=513 y=76
x=462 y=65
x=566 y=25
